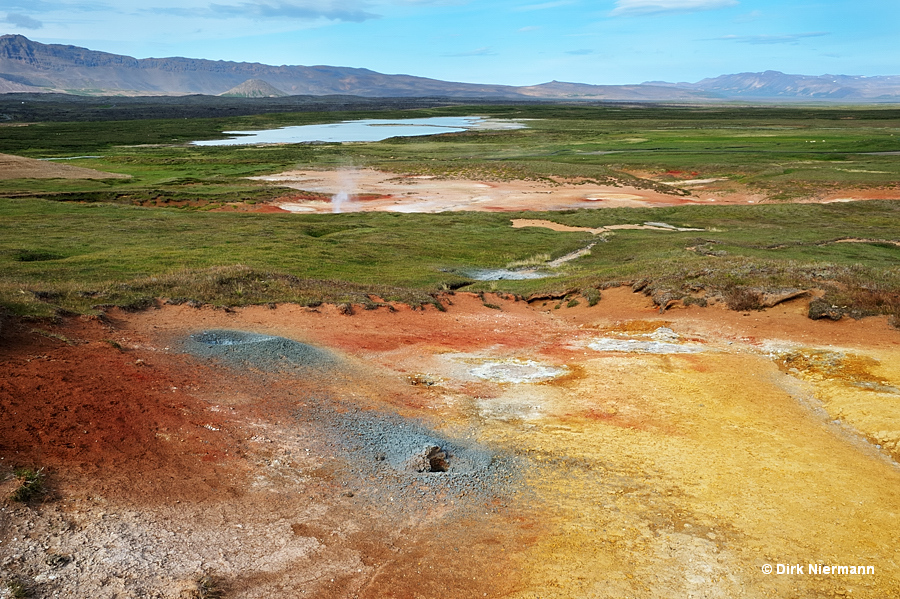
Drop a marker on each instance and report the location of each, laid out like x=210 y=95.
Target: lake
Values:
x=362 y=130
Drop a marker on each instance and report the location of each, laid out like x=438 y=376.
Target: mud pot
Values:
x=533 y=451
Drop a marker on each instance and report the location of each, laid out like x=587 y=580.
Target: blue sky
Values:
x=515 y=42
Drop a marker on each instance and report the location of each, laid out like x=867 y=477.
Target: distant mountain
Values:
x=7 y=86
x=28 y=66
x=584 y=91
x=254 y=88
x=57 y=67
x=777 y=85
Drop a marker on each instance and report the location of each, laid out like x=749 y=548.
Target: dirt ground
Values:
x=17 y=167
x=601 y=452
x=372 y=190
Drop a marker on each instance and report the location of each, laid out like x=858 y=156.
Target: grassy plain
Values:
x=74 y=244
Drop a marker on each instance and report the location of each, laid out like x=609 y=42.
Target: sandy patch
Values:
x=519 y=223
x=397 y=193
x=860 y=195
x=721 y=190
x=888 y=241
x=697 y=181
x=17 y=167
x=369 y=189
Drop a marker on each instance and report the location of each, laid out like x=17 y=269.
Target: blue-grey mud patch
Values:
x=263 y=352
x=393 y=460
x=403 y=463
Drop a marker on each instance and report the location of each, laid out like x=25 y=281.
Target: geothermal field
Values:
x=259 y=372
x=513 y=452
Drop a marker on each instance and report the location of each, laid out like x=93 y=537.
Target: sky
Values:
x=512 y=42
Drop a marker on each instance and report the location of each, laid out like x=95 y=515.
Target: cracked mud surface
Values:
x=528 y=452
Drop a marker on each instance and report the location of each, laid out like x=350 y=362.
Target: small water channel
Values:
x=360 y=131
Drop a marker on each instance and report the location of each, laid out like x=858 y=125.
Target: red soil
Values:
x=100 y=414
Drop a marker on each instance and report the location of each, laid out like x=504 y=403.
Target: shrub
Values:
x=202 y=587
x=689 y=300
x=31 y=484
x=743 y=299
x=592 y=296
x=17 y=589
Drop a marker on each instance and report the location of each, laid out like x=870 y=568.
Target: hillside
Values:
x=254 y=88
x=60 y=67
x=28 y=66
x=774 y=84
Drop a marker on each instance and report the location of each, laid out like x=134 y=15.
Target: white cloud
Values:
x=545 y=5
x=485 y=51
x=627 y=8
x=787 y=38
x=34 y=6
x=23 y=21
x=431 y=2
x=751 y=16
x=334 y=10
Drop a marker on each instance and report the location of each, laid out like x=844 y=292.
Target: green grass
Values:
x=785 y=153
x=17 y=590
x=114 y=254
x=80 y=245
x=100 y=254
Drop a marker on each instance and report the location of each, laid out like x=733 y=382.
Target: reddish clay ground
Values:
x=372 y=190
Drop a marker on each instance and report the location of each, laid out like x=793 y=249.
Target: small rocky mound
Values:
x=819 y=309
x=431 y=459
x=254 y=88
x=264 y=352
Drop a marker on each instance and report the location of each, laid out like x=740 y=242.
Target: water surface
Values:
x=362 y=130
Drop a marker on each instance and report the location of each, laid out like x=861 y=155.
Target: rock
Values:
x=773 y=298
x=664 y=298
x=819 y=309
x=431 y=459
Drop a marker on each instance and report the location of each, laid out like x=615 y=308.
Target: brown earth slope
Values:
x=17 y=167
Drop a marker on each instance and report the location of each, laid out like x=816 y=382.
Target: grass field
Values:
x=70 y=256
x=784 y=152
x=59 y=253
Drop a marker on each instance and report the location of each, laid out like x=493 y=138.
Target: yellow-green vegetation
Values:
x=784 y=152
x=203 y=587
x=99 y=254
x=30 y=484
x=17 y=590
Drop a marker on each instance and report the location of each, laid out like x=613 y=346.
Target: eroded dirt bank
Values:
x=586 y=452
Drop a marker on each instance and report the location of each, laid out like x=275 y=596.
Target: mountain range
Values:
x=29 y=66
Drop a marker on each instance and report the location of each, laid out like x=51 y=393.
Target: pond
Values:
x=362 y=130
